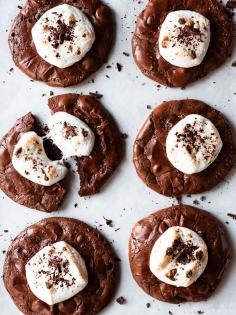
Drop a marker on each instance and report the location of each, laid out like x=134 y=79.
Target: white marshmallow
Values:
x=65 y=42
x=178 y=257
x=193 y=144
x=56 y=273
x=30 y=160
x=184 y=38
x=71 y=135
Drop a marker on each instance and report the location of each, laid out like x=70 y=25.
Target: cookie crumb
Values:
x=108 y=222
x=121 y=300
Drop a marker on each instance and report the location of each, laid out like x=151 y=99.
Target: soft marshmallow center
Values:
x=56 y=273
x=184 y=38
x=63 y=35
x=193 y=144
x=71 y=135
x=30 y=160
x=178 y=257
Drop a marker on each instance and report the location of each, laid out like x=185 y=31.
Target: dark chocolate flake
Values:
x=231 y=215
x=119 y=66
x=121 y=300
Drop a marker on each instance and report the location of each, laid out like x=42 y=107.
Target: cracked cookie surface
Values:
x=149 y=153
x=19 y=188
x=95 y=169
x=27 y=59
x=145 y=41
x=148 y=230
x=95 y=250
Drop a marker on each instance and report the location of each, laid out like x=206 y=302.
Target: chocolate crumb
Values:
x=233 y=64
x=121 y=300
x=96 y=95
x=179 y=199
x=148 y=305
x=196 y=202
x=3 y=251
x=5 y=231
x=170 y=313
x=51 y=93
x=149 y=107
x=231 y=215
x=126 y=54
x=119 y=66
x=200 y=312
x=76 y=205
x=203 y=198
x=108 y=222
x=124 y=136
x=19 y=7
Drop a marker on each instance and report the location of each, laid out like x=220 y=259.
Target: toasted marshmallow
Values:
x=184 y=38
x=30 y=160
x=193 y=144
x=63 y=35
x=56 y=273
x=178 y=257
x=71 y=135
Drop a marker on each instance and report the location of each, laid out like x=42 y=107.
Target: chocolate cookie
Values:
x=27 y=59
x=94 y=169
x=99 y=258
x=152 y=164
x=145 y=41
x=17 y=187
x=148 y=230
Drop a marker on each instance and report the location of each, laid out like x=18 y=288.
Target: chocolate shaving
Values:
x=231 y=215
